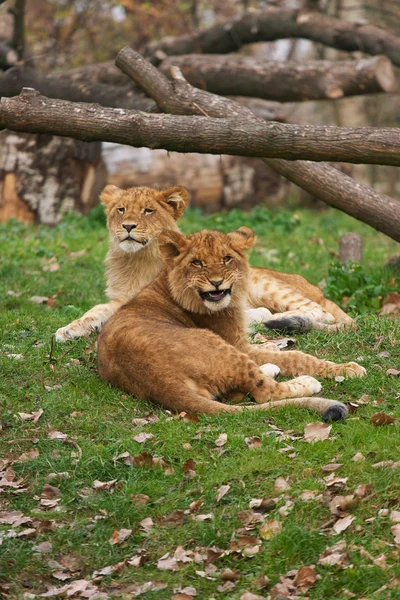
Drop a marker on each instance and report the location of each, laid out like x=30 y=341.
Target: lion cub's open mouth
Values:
x=215 y=295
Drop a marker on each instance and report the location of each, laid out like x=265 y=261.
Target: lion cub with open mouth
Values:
x=182 y=341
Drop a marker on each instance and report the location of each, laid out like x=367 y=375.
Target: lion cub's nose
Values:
x=216 y=282
x=129 y=226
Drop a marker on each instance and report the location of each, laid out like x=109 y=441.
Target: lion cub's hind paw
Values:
x=270 y=370
x=336 y=412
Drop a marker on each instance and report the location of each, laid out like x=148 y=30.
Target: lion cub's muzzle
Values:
x=215 y=295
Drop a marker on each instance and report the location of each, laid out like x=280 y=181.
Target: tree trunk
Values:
x=287 y=81
x=42 y=177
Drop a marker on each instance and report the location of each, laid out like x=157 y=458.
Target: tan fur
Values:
x=130 y=266
x=284 y=295
x=182 y=341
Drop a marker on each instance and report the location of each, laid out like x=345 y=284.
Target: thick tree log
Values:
x=243 y=135
x=288 y=81
x=88 y=85
x=66 y=88
x=323 y=181
x=279 y=23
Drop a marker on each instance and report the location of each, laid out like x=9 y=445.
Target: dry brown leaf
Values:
x=139 y=499
x=331 y=467
x=250 y=596
x=358 y=457
x=229 y=575
x=227 y=586
x=307 y=495
x=13 y=517
x=314 y=432
x=393 y=372
x=379 y=419
x=43 y=548
x=100 y=486
x=223 y=490
x=201 y=518
x=54 y=434
x=286 y=508
x=281 y=484
x=396 y=534
x=34 y=417
x=142 y=437
x=363 y=490
x=26 y=456
x=270 y=529
x=335 y=555
x=49 y=503
x=305 y=578
x=167 y=562
x=176 y=517
x=395 y=516
x=340 y=504
x=342 y=524
x=146 y=524
x=253 y=442
x=119 y=536
x=262 y=504
x=189 y=468
x=221 y=440
x=181 y=596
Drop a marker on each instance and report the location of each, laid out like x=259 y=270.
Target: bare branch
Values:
x=280 y=23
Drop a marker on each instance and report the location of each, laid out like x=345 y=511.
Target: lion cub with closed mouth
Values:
x=182 y=342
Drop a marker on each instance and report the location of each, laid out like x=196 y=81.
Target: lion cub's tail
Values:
x=331 y=410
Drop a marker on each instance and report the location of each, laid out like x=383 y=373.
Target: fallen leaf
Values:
x=34 y=417
x=221 y=440
x=335 y=555
x=340 y=504
x=281 y=484
x=305 y=578
x=119 y=536
x=358 y=457
x=14 y=518
x=379 y=419
x=188 y=467
x=43 y=548
x=201 y=518
x=176 y=517
x=100 y=486
x=396 y=534
x=314 y=432
x=26 y=456
x=250 y=596
x=167 y=562
x=50 y=491
x=253 y=442
x=39 y=299
x=224 y=489
x=393 y=372
x=363 y=490
x=395 y=516
x=229 y=575
x=343 y=524
x=146 y=524
x=331 y=467
x=140 y=499
x=143 y=437
x=262 y=504
x=270 y=529
x=307 y=495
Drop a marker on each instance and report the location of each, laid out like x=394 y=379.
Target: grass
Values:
x=99 y=419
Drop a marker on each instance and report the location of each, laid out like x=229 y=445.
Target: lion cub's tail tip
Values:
x=336 y=412
x=300 y=323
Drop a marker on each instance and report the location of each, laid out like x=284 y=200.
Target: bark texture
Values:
x=287 y=81
x=242 y=134
x=280 y=23
x=42 y=176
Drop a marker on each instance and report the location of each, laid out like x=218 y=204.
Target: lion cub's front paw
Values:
x=308 y=385
x=258 y=315
x=270 y=370
x=353 y=369
x=74 y=330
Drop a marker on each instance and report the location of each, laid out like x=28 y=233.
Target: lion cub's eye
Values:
x=148 y=211
x=227 y=259
x=121 y=210
x=197 y=263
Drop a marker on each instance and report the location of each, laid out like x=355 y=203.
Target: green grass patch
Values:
x=62 y=379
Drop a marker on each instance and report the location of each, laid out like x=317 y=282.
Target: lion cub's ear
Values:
x=243 y=238
x=175 y=199
x=171 y=244
x=110 y=194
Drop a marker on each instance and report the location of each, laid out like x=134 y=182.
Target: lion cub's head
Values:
x=136 y=216
x=207 y=271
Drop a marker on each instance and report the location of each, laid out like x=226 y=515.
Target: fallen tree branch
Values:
x=88 y=85
x=323 y=181
x=66 y=88
x=289 y=81
x=280 y=23
x=241 y=135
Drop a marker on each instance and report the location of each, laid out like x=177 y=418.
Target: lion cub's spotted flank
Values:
x=182 y=341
